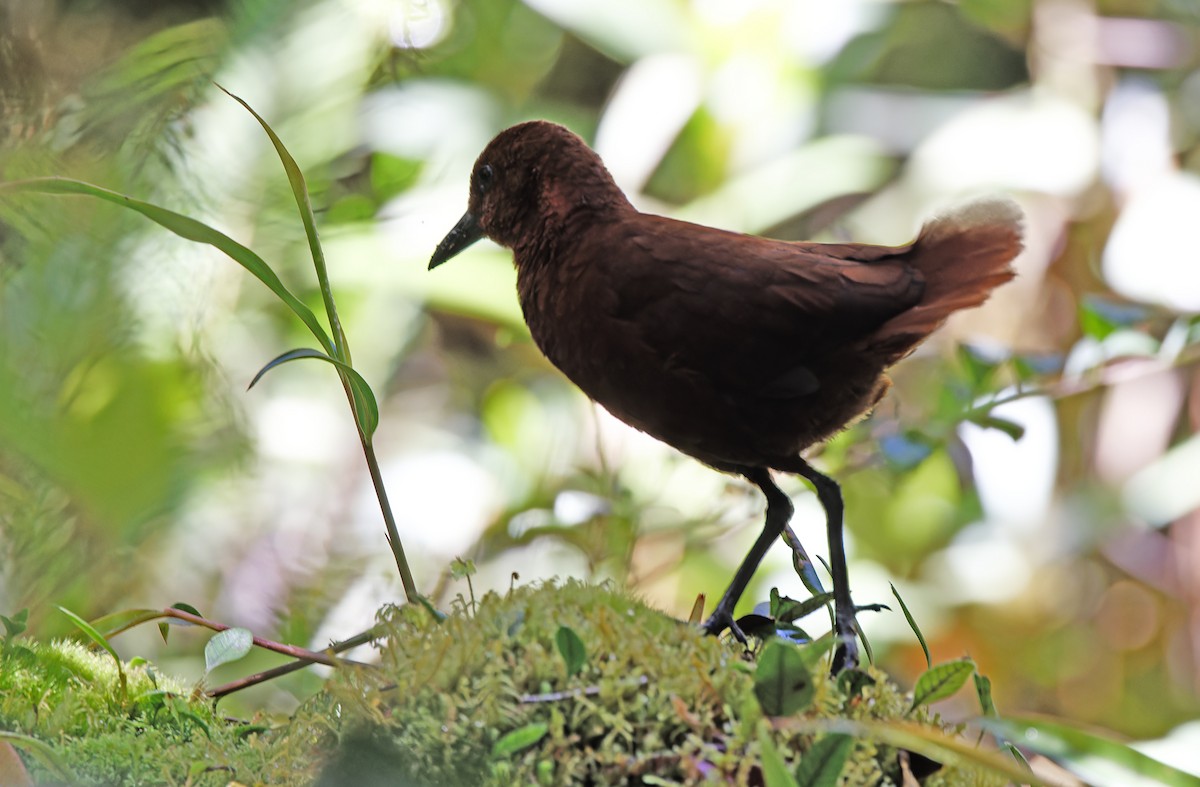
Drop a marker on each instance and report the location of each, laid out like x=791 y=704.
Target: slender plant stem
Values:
x=309 y=656
x=284 y=669
x=393 y=534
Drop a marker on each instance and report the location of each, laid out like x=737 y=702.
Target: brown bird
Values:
x=737 y=350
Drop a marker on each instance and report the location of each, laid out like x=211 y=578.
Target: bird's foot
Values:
x=720 y=620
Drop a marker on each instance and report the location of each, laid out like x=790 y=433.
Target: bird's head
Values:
x=526 y=177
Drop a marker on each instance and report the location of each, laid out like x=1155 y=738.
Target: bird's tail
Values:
x=963 y=255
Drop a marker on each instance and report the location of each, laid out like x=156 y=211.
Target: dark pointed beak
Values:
x=465 y=232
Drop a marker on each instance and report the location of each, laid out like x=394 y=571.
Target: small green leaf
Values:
x=774 y=766
x=574 y=652
x=821 y=765
x=912 y=623
x=15 y=625
x=228 y=645
x=983 y=689
x=460 y=568
x=165 y=627
x=938 y=683
x=366 y=409
x=520 y=738
x=782 y=681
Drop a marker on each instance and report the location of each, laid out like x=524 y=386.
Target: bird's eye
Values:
x=485 y=176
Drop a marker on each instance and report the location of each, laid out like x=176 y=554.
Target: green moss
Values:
x=152 y=731
x=655 y=700
x=482 y=697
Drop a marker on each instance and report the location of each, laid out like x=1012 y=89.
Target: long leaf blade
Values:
x=912 y=623
x=304 y=204
x=188 y=229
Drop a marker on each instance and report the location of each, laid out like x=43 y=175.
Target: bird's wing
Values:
x=753 y=313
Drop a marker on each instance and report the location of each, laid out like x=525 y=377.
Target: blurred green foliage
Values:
x=135 y=471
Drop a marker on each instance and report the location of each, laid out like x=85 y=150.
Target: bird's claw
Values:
x=719 y=621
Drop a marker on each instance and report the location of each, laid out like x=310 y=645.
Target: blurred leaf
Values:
x=934 y=744
x=44 y=753
x=782 y=681
x=520 y=738
x=460 y=568
x=940 y=682
x=774 y=766
x=366 y=409
x=912 y=623
x=980 y=363
x=1094 y=758
x=1100 y=317
x=983 y=690
x=15 y=625
x=989 y=421
x=905 y=451
x=186 y=228
x=392 y=175
x=572 y=650
x=227 y=646
x=821 y=765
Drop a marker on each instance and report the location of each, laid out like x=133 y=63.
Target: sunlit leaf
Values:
x=783 y=683
x=821 y=765
x=520 y=738
x=1094 y=758
x=571 y=648
x=227 y=646
x=940 y=682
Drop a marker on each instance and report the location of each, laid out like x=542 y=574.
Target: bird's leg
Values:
x=779 y=512
x=845 y=624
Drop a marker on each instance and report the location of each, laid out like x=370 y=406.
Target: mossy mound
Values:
x=485 y=697
x=552 y=684
x=85 y=725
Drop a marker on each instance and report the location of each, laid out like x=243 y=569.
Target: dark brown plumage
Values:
x=737 y=350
